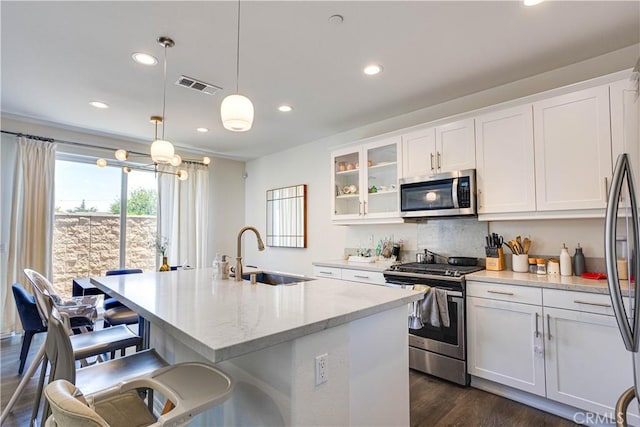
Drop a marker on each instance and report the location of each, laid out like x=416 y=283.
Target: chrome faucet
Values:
x=238 y=269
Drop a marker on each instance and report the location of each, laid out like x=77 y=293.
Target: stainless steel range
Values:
x=437 y=349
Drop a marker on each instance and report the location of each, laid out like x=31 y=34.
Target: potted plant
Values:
x=162 y=244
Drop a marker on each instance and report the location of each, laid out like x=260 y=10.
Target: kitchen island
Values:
x=267 y=337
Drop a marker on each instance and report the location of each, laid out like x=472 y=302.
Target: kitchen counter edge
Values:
x=569 y=283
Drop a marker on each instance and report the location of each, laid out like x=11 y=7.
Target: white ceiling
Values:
x=58 y=56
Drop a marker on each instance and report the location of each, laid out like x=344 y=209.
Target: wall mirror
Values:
x=287 y=217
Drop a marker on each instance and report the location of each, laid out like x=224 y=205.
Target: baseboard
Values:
x=576 y=415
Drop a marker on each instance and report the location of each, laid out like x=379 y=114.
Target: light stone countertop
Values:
x=570 y=283
x=378 y=266
x=222 y=319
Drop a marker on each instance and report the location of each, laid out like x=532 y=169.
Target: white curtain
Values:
x=32 y=220
x=183 y=215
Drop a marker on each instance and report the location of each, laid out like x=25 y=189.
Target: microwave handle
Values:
x=454 y=190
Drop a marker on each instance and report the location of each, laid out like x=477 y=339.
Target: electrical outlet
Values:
x=322 y=368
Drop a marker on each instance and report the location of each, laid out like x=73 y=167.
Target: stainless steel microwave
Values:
x=445 y=194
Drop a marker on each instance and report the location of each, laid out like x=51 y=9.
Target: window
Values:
x=89 y=236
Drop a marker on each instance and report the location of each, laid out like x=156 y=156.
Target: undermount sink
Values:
x=274 y=278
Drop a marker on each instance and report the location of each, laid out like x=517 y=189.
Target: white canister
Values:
x=553 y=266
x=520 y=263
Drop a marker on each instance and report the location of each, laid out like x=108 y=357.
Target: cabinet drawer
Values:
x=364 y=276
x=328 y=272
x=579 y=301
x=500 y=292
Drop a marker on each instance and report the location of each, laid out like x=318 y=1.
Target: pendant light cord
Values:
x=164 y=92
x=238 y=51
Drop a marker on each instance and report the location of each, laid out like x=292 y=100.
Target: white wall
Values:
x=310 y=164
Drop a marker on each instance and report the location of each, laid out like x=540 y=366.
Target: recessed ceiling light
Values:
x=98 y=104
x=336 y=19
x=532 y=2
x=285 y=108
x=144 y=58
x=373 y=69
x=202 y=130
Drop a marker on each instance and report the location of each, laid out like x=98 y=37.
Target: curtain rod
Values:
x=61 y=141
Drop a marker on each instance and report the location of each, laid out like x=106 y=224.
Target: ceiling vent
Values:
x=197 y=85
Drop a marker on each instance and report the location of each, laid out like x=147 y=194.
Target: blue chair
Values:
x=116 y=313
x=112 y=302
x=30 y=318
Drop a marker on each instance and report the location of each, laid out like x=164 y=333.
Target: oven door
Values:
x=448 y=341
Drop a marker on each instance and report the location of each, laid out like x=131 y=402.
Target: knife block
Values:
x=496 y=264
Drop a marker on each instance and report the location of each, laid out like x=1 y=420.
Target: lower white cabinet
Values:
x=350 y=274
x=503 y=345
x=570 y=353
x=586 y=363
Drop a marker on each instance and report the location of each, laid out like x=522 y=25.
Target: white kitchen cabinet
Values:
x=558 y=344
x=365 y=182
x=572 y=139
x=455 y=146
x=586 y=363
x=505 y=343
x=444 y=148
x=505 y=161
x=625 y=127
x=327 y=272
x=363 y=276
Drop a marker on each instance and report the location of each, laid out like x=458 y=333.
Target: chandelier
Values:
x=161 y=151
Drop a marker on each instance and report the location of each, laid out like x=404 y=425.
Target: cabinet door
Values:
x=381 y=170
x=418 y=153
x=347 y=182
x=503 y=345
x=573 y=150
x=504 y=158
x=625 y=129
x=587 y=365
x=455 y=146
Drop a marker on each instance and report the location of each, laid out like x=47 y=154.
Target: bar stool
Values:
x=117 y=313
x=190 y=388
x=61 y=356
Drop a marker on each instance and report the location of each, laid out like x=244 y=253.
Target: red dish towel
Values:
x=594 y=276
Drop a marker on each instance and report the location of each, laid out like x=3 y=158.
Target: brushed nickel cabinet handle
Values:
x=360 y=209
x=479 y=198
x=537 y=331
x=328 y=273
x=549 y=326
x=500 y=292
x=439 y=163
x=431 y=154
x=360 y=277
x=364 y=211
x=597 y=304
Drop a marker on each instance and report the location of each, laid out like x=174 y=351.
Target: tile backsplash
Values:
x=453 y=237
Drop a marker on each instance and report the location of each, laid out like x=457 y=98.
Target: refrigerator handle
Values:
x=629 y=336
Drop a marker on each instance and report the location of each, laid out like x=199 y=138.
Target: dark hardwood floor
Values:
x=434 y=403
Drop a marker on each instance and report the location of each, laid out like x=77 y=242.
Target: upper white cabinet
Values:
x=505 y=161
x=625 y=129
x=572 y=141
x=365 y=182
x=444 y=148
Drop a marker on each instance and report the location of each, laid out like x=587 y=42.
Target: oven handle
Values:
x=411 y=287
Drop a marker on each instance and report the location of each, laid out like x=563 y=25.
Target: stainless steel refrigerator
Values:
x=622 y=248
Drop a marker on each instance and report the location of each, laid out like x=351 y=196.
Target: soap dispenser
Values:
x=565 y=261
x=578 y=261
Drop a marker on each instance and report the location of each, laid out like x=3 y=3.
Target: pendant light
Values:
x=236 y=111
x=162 y=151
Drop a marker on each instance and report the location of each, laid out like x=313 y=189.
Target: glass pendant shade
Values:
x=176 y=160
x=236 y=113
x=162 y=151
x=122 y=155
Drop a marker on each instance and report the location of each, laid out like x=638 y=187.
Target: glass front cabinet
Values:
x=365 y=182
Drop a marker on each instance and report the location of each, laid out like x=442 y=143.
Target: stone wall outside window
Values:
x=88 y=244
